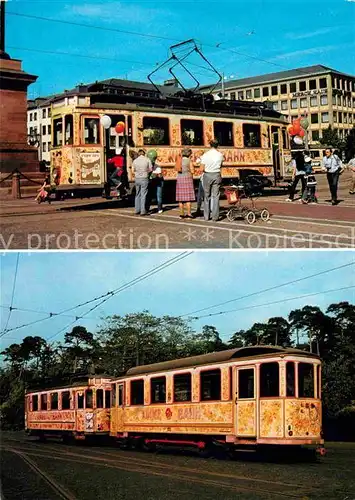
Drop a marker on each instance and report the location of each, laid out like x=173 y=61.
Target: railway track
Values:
x=117 y=459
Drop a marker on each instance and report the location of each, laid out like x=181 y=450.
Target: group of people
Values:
x=149 y=177
x=302 y=172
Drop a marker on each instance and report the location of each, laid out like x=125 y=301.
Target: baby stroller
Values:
x=309 y=195
x=247 y=189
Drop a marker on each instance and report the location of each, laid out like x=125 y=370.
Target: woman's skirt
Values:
x=185 y=188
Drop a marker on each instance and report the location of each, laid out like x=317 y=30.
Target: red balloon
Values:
x=120 y=127
x=301 y=132
x=291 y=130
x=296 y=125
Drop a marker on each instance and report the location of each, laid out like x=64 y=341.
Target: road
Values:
x=107 y=224
x=47 y=471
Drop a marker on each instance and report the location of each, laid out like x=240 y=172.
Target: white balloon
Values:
x=298 y=140
x=105 y=121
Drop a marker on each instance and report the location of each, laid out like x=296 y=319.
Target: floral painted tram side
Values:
x=81 y=146
x=236 y=398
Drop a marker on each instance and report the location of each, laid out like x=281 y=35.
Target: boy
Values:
x=309 y=195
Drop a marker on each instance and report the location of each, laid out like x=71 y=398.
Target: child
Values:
x=115 y=177
x=309 y=195
x=44 y=191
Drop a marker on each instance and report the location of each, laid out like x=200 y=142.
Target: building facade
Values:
x=326 y=95
x=39 y=126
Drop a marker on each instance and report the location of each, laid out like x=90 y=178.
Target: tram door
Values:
x=276 y=153
x=245 y=401
x=117 y=411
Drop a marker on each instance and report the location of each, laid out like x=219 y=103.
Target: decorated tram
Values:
x=93 y=122
x=238 y=398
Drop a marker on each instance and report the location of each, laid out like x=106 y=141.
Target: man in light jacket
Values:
x=211 y=163
x=333 y=166
x=141 y=167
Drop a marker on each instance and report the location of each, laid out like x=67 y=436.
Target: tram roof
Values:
x=216 y=357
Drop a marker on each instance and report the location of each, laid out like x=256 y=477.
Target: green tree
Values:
x=331 y=138
x=349 y=145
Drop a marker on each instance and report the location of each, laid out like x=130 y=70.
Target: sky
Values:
x=54 y=281
x=241 y=38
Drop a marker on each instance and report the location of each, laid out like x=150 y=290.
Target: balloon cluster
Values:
x=297 y=129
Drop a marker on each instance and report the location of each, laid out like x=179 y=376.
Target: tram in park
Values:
x=253 y=138
x=235 y=399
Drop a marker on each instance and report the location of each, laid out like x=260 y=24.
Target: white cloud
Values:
x=313 y=50
x=312 y=34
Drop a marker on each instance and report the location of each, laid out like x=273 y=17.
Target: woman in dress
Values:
x=185 y=192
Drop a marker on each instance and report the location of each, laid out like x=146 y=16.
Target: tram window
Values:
x=319 y=389
x=223 y=132
x=158 y=389
x=58 y=132
x=80 y=401
x=113 y=395
x=54 y=401
x=66 y=400
x=120 y=395
x=210 y=383
x=305 y=380
x=43 y=401
x=107 y=398
x=88 y=398
x=68 y=129
x=155 y=131
x=91 y=131
x=284 y=138
x=252 y=136
x=137 y=392
x=290 y=379
x=246 y=383
x=35 y=402
x=182 y=387
x=99 y=398
x=192 y=132
x=269 y=380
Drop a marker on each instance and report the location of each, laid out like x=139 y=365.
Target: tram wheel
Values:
x=250 y=217
x=232 y=214
x=265 y=215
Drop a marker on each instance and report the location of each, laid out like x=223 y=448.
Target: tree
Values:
x=349 y=145
x=331 y=138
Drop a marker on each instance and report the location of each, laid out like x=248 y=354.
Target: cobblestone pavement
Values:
x=107 y=224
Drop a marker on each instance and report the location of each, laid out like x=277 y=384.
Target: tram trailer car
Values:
x=238 y=398
x=252 y=137
x=77 y=411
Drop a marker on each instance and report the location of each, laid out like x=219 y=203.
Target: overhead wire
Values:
x=13 y=292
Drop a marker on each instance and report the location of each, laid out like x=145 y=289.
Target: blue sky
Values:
x=55 y=281
x=289 y=34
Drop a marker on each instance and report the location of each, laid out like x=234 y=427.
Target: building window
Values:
x=68 y=130
x=232 y=96
x=325 y=117
x=293 y=87
x=35 y=402
x=44 y=113
x=269 y=380
x=66 y=400
x=252 y=136
x=182 y=387
x=350 y=118
x=49 y=129
x=303 y=102
x=49 y=146
x=34 y=116
x=294 y=103
x=284 y=105
x=223 y=132
x=44 y=147
x=54 y=401
x=257 y=93
x=192 y=132
x=305 y=380
x=303 y=86
x=312 y=84
x=315 y=135
x=49 y=113
x=30 y=117
x=58 y=132
x=275 y=105
x=339 y=100
x=334 y=100
x=290 y=379
x=99 y=398
x=322 y=83
x=43 y=130
x=91 y=130
x=265 y=91
x=156 y=131
x=158 y=389
x=31 y=130
x=323 y=100
x=210 y=385
x=314 y=101
x=246 y=383
x=283 y=88
x=137 y=392
x=335 y=116
x=340 y=117
x=345 y=118
x=314 y=118
x=248 y=94
x=43 y=401
x=274 y=90
x=240 y=95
